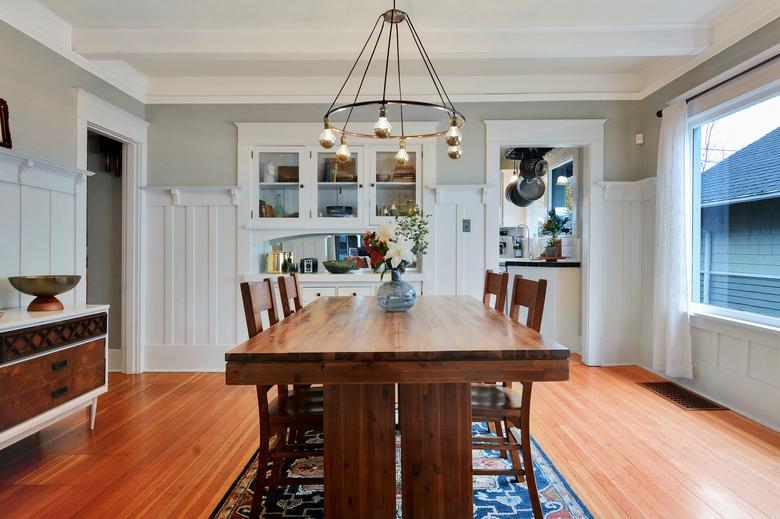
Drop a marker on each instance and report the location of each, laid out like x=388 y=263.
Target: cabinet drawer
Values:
x=309 y=294
x=17 y=344
x=355 y=291
x=31 y=387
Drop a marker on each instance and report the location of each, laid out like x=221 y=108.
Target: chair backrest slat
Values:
x=529 y=294
x=290 y=289
x=258 y=297
x=496 y=284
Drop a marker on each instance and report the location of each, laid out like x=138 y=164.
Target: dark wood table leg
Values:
x=359 y=427
x=436 y=450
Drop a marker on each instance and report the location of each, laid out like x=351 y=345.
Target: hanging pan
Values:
x=531 y=167
x=530 y=190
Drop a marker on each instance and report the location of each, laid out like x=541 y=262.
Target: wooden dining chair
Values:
x=496 y=284
x=492 y=403
x=285 y=419
x=290 y=290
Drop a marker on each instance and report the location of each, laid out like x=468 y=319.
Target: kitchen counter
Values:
x=562 y=317
x=525 y=262
x=362 y=276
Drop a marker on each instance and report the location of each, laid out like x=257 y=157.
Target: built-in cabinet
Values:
x=294 y=184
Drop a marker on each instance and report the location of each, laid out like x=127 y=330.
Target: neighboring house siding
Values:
x=744 y=256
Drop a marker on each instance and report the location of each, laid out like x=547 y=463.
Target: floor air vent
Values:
x=682 y=397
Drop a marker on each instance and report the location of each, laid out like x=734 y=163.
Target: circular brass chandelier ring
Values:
x=400 y=102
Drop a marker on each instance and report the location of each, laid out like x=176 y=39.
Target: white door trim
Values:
x=559 y=133
x=94 y=113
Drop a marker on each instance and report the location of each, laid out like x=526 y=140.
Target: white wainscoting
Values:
x=620 y=268
x=42 y=227
x=459 y=260
x=736 y=364
x=190 y=281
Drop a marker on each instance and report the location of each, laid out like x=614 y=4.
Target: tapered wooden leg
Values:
x=359 y=429
x=92 y=413
x=436 y=450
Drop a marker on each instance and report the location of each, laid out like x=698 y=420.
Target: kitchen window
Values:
x=736 y=212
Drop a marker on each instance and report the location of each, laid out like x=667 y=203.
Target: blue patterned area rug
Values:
x=495 y=497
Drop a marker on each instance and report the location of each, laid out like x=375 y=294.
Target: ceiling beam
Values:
x=532 y=87
x=554 y=42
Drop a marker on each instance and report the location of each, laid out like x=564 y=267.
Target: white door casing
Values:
x=559 y=133
x=96 y=114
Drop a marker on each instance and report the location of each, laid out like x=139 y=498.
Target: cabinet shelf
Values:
x=278 y=185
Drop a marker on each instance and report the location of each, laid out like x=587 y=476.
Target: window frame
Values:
x=695 y=122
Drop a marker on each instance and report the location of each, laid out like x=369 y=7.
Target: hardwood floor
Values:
x=169 y=445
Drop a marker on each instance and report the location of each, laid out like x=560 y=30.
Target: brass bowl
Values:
x=44 y=288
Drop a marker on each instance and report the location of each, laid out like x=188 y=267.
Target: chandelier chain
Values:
x=425 y=61
x=349 y=75
x=387 y=58
x=425 y=52
x=363 y=78
x=398 y=64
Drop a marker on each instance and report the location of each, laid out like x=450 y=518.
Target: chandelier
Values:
x=383 y=129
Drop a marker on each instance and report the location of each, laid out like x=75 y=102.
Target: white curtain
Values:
x=671 y=296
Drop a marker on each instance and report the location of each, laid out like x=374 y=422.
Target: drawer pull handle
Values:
x=59 y=364
x=318 y=294
x=59 y=392
x=354 y=293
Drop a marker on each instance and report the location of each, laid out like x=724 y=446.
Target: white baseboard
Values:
x=185 y=357
x=114 y=360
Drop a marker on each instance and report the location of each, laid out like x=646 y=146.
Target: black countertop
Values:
x=540 y=263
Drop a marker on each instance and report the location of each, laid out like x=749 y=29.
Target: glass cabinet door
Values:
x=339 y=189
x=278 y=182
x=394 y=189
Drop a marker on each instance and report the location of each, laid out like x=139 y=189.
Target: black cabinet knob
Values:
x=59 y=392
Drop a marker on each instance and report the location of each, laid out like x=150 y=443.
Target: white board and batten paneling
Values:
x=41 y=227
x=191 y=284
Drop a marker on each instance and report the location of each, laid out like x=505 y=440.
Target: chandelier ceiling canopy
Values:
x=394 y=19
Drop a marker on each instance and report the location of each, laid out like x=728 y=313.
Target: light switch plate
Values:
x=639 y=138
x=466 y=225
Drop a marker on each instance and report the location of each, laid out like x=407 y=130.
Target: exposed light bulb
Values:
x=402 y=157
x=453 y=136
x=342 y=152
x=327 y=137
x=383 y=128
x=455 y=152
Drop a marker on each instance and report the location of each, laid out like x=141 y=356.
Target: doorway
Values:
x=104 y=229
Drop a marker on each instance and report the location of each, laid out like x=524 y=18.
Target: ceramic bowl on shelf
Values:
x=383 y=177
x=339 y=267
x=44 y=288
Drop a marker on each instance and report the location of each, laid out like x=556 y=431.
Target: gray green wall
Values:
x=761 y=40
x=196 y=144
x=38 y=85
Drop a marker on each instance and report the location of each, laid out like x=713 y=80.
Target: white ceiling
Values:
x=242 y=50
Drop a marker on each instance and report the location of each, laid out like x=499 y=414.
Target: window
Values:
x=736 y=212
x=562 y=194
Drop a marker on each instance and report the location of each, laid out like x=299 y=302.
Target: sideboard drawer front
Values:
x=34 y=386
x=17 y=344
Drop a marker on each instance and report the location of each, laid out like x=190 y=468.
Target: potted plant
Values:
x=394 y=247
x=552 y=227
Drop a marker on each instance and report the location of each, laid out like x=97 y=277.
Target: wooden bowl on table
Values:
x=44 y=288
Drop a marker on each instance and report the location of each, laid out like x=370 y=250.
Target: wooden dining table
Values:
x=432 y=353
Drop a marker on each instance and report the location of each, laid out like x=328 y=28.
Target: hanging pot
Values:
x=530 y=189
x=531 y=167
x=513 y=196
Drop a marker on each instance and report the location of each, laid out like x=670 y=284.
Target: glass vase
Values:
x=396 y=295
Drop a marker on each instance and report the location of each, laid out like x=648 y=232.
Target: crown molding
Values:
x=47 y=28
